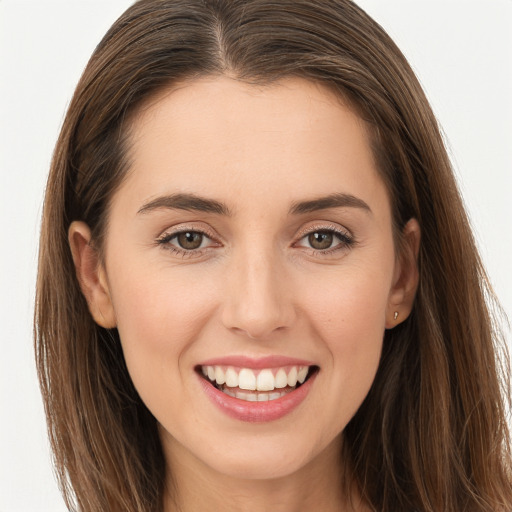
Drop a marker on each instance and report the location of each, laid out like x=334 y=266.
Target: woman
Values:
x=258 y=288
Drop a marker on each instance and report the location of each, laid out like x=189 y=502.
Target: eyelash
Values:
x=346 y=241
x=165 y=239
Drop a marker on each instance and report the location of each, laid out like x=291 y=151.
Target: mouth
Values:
x=256 y=385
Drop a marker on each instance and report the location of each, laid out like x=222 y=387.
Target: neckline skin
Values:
x=257 y=186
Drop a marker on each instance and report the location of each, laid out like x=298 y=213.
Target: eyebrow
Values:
x=331 y=201
x=192 y=202
x=189 y=202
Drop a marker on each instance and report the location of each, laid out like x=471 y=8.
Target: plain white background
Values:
x=460 y=49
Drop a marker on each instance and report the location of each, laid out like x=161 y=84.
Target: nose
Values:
x=259 y=298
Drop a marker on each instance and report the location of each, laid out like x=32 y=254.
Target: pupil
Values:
x=320 y=240
x=190 y=240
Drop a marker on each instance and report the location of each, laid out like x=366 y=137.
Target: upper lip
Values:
x=256 y=363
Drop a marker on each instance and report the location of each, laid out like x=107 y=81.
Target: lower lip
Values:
x=257 y=412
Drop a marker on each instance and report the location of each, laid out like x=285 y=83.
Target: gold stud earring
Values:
x=395 y=316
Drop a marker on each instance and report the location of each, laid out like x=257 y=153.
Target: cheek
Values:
x=349 y=321
x=349 y=306
x=158 y=319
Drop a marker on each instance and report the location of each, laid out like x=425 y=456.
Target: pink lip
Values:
x=256 y=363
x=256 y=411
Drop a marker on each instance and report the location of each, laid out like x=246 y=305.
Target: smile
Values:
x=257 y=390
x=256 y=385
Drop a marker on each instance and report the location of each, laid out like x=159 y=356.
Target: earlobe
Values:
x=91 y=275
x=406 y=278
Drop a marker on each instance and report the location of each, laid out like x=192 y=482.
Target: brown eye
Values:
x=321 y=240
x=189 y=240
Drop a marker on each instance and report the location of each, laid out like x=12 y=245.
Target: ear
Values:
x=406 y=276
x=91 y=275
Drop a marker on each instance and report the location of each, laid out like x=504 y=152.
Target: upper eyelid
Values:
x=181 y=228
x=213 y=235
x=327 y=226
x=344 y=238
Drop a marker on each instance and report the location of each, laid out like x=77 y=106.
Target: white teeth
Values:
x=246 y=379
x=292 y=377
x=281 y=380
x=265 y=381
x=219 y=375
x=255 y=397
x=248 y=397
x=301 y=376
x=231 y=378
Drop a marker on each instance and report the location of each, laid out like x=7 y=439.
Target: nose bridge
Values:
x=258 y=300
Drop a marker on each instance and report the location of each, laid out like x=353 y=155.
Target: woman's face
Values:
x=251 y=242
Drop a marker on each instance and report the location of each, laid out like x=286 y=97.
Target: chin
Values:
x=263 y=465
x=268 y=455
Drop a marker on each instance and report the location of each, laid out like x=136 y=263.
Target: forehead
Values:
x=215 y=136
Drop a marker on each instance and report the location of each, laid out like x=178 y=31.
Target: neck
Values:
x=316 y=486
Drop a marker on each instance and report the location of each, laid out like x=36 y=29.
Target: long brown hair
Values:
x=432 y=433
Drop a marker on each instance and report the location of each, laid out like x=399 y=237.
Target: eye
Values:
x=321 y=240
x=189 y=240
x=186 y=242
x=326 y=240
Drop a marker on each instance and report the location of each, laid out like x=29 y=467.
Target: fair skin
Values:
x=257 y=276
